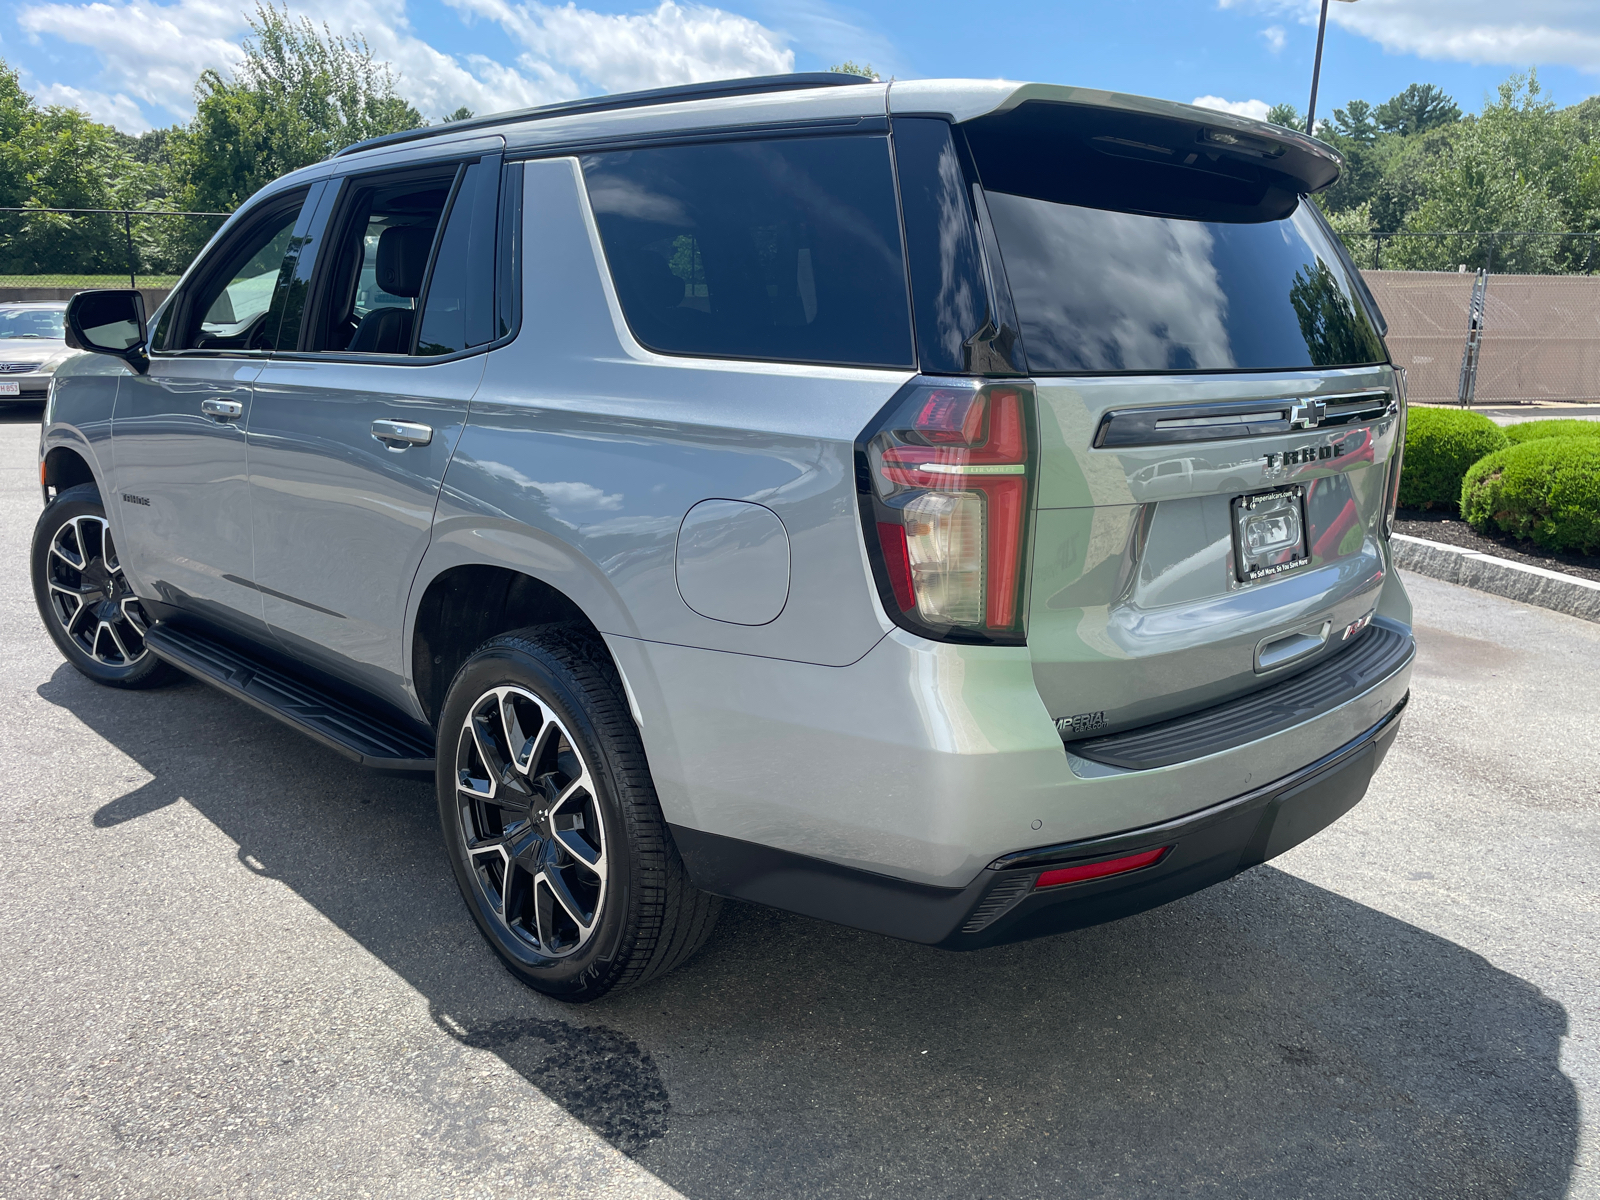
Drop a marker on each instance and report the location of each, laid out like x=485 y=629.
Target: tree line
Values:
x=1414 y=163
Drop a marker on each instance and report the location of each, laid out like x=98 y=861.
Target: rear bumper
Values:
x=1003 y=904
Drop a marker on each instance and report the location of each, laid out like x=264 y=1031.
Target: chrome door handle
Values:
x=222 y=410
x=397 y=435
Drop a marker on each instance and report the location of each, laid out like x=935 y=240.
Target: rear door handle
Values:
x=222 y=410
x=398 y=435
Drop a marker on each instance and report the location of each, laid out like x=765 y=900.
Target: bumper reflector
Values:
x=1099 y=870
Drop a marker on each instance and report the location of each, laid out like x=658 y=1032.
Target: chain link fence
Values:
x=50 y=253
x=1502 y=251
x=1540 y=339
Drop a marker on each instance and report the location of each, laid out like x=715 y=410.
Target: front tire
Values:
x=551 y=820
x=83 y=597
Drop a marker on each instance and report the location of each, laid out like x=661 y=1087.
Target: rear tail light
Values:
x=1099 y=870
x=1391 y=500
x=945 y=477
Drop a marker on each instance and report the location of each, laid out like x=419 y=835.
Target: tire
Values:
x=94 y=619
x=551 y=820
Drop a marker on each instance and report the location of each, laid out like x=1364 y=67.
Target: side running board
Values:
x=370 y=740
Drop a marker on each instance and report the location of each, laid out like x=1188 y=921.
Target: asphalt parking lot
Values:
x=231 y=964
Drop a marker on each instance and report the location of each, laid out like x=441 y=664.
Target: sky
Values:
x=133 y=63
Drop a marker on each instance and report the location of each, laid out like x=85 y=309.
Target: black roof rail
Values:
x=753 y=85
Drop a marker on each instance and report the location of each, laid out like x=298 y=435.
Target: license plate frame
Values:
x=1246 y=570
x=10 y=387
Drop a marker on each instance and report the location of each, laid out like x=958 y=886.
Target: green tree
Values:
x=1419 y=108
x=299 y=95
x=461 y=114
x=850 y=68
x=1510 y=168
x=1286 y=115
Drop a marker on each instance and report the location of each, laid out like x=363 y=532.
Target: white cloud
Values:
x=1255 y=109
x=619 y=52
x=150 y=54
x=1538 y=32
x=119 y=110
x=1275 y=38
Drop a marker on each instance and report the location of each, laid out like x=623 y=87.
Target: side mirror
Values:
x=109 y=322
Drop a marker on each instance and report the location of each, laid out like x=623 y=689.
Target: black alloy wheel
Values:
x=83 y=594
x=552 y=823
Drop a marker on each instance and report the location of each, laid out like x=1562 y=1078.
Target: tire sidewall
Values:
x=588 y=970
x=81 y=501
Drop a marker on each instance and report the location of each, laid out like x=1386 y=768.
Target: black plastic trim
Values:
x=1380 y=651
x=1002 y=904
x=361 y=736
x=711 y=90
x=1125 y=428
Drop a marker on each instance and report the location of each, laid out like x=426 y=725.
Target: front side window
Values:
x=230 y=305
x=782 y=250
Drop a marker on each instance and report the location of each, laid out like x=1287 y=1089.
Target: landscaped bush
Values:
x=1441 y=443
x=1530 y=431
x=1547 y=489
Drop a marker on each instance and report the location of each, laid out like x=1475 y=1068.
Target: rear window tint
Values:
x=1098 y=290
x=785 y=250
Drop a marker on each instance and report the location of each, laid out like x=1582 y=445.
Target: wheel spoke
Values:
x=116 y=639
x=563 y=896
x=76 y=616
x=56 y=548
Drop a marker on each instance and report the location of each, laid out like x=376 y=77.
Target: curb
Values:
x=1499 y=576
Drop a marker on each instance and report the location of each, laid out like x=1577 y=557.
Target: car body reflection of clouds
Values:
x=1264 y=1038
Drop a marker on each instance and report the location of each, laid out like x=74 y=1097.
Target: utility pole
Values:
x=1316 y=69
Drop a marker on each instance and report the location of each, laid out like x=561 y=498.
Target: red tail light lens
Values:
x=945 y=485
x=1099 y=870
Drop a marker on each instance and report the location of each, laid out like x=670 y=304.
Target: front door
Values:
x=178 y=432
x=349 y=436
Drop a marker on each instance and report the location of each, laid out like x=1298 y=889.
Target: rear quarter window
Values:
x=783 y=250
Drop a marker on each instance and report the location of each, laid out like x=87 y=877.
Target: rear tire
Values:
x=83 y=597
x=552 y=823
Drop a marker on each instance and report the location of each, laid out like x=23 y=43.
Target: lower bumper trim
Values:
x=1002 y=903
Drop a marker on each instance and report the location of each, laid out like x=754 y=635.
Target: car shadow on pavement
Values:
x=1264 y=1038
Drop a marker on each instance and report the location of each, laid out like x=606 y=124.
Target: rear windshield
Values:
x=784 y=250
x=1119 y=292
x=1099 y=290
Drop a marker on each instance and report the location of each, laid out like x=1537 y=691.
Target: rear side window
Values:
x=460 y=306
x=1128 y=255
x=783 y=250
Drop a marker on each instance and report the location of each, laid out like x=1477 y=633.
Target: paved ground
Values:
x=230 y=964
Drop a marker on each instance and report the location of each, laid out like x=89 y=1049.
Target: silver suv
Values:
x=954 y=509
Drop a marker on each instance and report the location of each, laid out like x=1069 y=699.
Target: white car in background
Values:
x=32 y=345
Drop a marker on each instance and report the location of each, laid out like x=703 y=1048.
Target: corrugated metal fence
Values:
x=1541 y=335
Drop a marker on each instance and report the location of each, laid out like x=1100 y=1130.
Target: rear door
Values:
x=350 y=434
x=178 y=430
x=1217 y=415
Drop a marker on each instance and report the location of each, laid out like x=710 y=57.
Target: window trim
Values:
x=247 y=224
x=347 y=186
x=880 y=129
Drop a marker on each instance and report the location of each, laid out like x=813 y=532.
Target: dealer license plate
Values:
x=1269 y=533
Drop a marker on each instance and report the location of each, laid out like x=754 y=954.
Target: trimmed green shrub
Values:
x=1441 y=443
x=1547 y=489
x=1530 y=431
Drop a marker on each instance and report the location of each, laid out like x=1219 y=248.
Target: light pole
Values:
x=1316 y=69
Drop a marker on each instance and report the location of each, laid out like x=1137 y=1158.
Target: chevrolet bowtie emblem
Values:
x=1307 y=414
